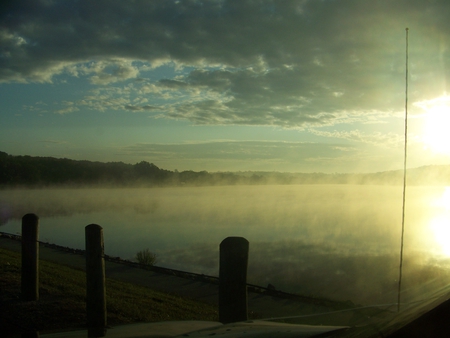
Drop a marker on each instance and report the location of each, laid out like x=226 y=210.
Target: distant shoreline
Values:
x=48 y=172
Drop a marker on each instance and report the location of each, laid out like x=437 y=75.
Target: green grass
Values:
x=62 y=303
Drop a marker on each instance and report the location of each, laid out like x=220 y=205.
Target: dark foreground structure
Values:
x=429 y=318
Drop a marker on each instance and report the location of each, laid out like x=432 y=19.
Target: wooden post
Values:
x=30 y=258
x=233 y=280
x=95 y=281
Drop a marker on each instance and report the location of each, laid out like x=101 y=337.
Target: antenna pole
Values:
x=404 y=176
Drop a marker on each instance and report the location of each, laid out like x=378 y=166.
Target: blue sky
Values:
x=298 y=86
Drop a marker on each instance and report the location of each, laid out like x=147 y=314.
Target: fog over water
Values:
x=334 y=241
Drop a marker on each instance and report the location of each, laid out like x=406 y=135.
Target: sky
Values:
x=289 y=86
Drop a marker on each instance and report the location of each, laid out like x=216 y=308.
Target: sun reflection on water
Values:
x=440 y=225
x=445 y=199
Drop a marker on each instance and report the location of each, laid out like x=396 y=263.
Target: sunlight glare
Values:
x=440 y=227
x=436 y=135
x=445 y=199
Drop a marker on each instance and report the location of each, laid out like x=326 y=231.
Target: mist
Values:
x=337 y=242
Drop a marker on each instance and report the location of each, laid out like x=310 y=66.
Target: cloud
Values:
x=355 y=151
x=140 y=108
x=172 y=83
x=376 y=138
x=110 y=71
x=69 y=107
x=260 y=155
x=286 y=63
x=55 y=141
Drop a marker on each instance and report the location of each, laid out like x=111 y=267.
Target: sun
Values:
x=436 y=132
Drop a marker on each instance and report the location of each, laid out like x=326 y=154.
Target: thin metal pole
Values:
x=404 y=177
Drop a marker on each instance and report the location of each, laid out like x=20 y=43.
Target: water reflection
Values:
x=445 y=199
x=440 y=223
x=339 y=242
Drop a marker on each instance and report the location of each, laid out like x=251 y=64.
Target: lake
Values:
x=334 y=241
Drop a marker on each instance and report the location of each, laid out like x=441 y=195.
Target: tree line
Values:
x=48 y=171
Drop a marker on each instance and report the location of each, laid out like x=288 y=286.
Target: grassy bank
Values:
x=62 y=303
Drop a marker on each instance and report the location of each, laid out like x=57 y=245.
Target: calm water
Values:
x=339 y=241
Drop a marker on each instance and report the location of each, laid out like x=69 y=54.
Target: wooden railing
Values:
x=234 y=251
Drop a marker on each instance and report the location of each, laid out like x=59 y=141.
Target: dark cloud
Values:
x=287 y=63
